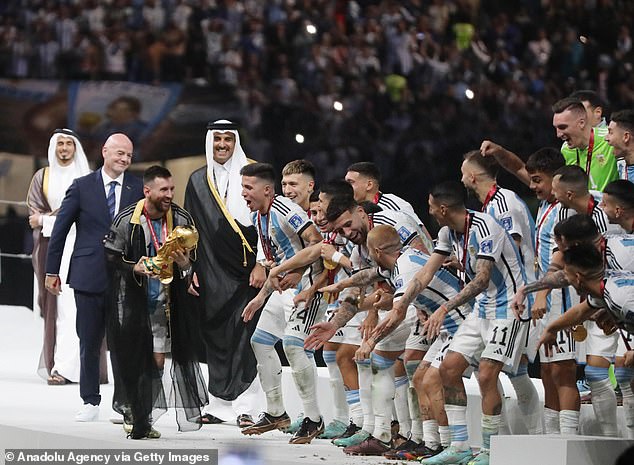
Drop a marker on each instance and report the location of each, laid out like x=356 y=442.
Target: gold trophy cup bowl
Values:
x=184 y=238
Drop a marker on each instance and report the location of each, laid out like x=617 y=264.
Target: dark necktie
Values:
x=111 y=199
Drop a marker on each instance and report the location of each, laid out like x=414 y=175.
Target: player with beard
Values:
x=479 y=176
x=489 y=336
x=335 y=252
x=558 y=368
x=352 y=222
x=147 y=318
x=398 y=265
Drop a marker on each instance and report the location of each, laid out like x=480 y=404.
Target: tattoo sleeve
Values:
x=455 y=395
x=475 y=287
x=362 y=278
x=346 y=311
x=266 y=290
x=414 y=288
x=553 y=280
x=422 y=278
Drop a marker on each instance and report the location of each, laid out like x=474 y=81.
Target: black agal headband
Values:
x=66 y=132
x=222 y=127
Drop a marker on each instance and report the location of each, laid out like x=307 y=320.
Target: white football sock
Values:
x=304 y=375
x=603 y=399
x=336 y=386
x=401 y=398
x=365 y=394
x=270 y=371
x=527 y=401
x=383 y=389
x=551 y=421
x=569 y=421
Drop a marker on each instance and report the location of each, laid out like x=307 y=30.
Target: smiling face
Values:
x=468 y=171
x=360 y=185
x=117 y=154
x=618 y=138
x=159 y=193
x=561 y=193
x=298 y=188
x=320 y=214
x=570 y=127
x=224 y=144
x=352 y=225
x=611 y=208
x=541 y=184
x=65 y=150
x=315 y=213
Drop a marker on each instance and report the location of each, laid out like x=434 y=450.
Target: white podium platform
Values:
x=556 y=450
x=34 y=415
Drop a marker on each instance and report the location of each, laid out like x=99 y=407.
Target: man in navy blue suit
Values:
x=90 y=203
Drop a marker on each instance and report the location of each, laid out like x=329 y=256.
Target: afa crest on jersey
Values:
x=404 y=233
x=507 y=223
x=295 y=221
x=486 y=246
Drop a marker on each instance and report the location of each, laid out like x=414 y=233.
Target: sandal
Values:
x=209 y=419
x=55 y=379
x=244 y=421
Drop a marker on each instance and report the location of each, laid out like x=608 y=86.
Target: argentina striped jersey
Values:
x=442 y=287
x=487 y=240
x=618 y=298
x=513 y=214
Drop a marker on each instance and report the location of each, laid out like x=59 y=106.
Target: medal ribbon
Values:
x=591 y=204
x=539 y=227
x=489 y=196
x=589 y=155
x=465 y=248
x=155 y=240
x=266 y=241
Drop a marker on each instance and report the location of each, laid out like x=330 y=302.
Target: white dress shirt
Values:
x=117 y=191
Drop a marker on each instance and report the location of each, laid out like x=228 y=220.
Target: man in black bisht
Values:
x=226 y=275
x=147 y=319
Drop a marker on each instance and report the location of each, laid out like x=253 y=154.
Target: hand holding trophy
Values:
x=183 y=238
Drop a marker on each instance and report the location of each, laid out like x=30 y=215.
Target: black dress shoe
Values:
x=245 y=420
x=209 y=419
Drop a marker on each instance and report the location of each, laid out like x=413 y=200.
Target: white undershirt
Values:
x=221 y=177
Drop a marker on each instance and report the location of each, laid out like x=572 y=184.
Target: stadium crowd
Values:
x=379 y=80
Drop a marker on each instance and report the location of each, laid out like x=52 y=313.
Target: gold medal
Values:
x=579 y=333
x=330 y=265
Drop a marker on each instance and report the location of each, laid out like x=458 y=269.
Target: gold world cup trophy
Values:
x=184 y=238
